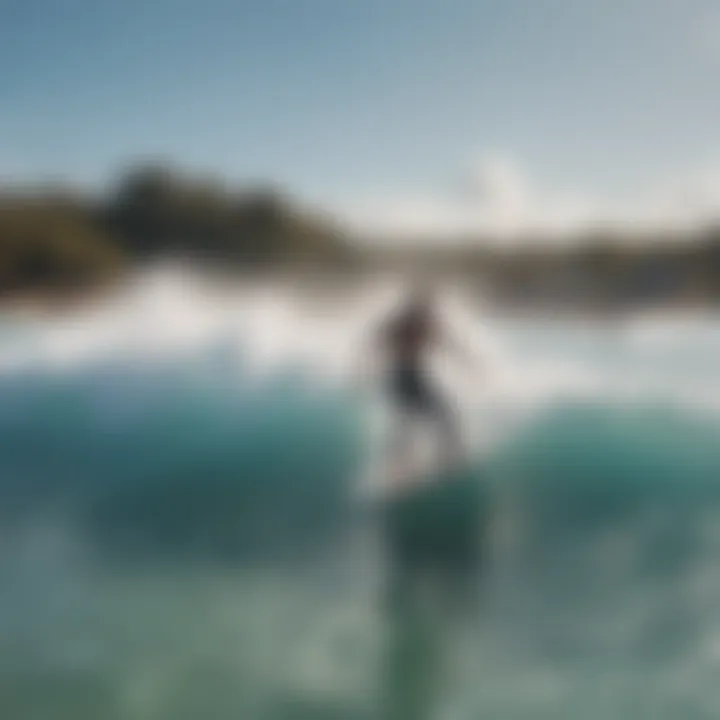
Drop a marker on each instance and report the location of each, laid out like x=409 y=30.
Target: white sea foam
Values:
x=168 y=315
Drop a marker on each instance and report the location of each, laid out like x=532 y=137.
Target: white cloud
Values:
x=498 y=200
x=499 y=182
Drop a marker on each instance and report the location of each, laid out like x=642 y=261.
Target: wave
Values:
x=176 y=416
x=220 y=435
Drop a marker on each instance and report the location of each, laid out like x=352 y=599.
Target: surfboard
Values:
x=382 y=483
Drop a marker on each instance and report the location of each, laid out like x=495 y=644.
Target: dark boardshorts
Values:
x=411 y=391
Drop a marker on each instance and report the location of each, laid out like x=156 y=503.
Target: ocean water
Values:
x=182 y=536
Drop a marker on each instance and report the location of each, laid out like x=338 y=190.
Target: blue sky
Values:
x=349 y=100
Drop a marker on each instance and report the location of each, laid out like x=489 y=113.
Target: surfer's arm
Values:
x=461 y=350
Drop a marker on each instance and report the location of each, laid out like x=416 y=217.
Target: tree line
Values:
x=57 y=240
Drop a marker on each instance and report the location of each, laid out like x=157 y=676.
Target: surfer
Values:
x=407 y=339
x=431 y=533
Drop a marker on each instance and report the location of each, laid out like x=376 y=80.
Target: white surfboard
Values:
x=384 y=481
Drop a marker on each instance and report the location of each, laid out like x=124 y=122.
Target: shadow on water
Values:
x=434 y=542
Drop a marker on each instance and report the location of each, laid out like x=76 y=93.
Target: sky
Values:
x=399 y=115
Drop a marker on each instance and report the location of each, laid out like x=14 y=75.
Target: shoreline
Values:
x=319 y=284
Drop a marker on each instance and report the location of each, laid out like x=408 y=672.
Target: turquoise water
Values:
x=180 y=539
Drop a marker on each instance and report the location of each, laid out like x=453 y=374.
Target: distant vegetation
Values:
x=155 y=213
x=55 y=241
x=600 y=271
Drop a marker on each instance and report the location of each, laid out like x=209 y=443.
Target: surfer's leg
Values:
x=400 y=448
x=448 y=428
x=405 y=393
